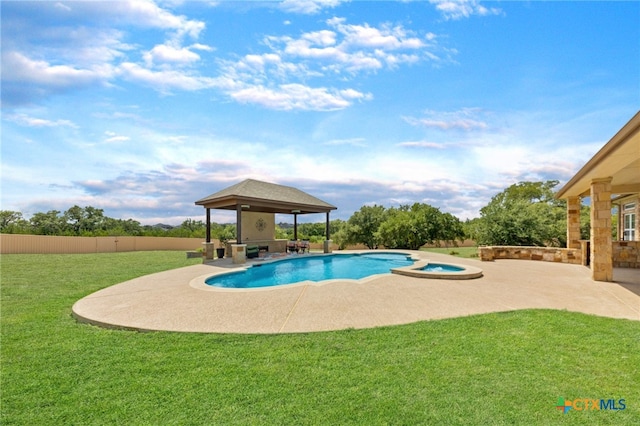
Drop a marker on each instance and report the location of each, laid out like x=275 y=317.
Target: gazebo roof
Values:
x=618 y=159
x=265 y=197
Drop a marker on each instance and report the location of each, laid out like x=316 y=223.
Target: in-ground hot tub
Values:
x=439 y=270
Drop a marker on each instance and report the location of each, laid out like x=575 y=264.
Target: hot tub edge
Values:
x=415 y=271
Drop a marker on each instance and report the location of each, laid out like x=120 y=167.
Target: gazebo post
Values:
x=295 y=226
x=327 y=241
x=327 y=228
x=208 y=240
x=238 y=224
x=208 y=247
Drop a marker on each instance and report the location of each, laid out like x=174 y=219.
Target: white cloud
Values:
x=61 y=6
x=307 y=7
x=281 y=77
x=200 y=46
x=357 y=142
x=462 y=124
x=458 y=9
x=42 y=60
x=464 y=119
x=113 y=137
x=297 y=96
x=259 y=69
x=170 y=55
x=386 y=37
x=163 y=187
x=165 y=80
x=147 y=14
x=25 y=80
x=422 y=144
x=321 y=38
x=355 y=48
x=90 y=46
x=17 y=67
x=163 y=54
x=304 y=48
x=25 y=120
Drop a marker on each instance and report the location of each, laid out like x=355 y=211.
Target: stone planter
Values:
x=193 y=254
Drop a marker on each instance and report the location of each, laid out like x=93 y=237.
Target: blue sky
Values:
x=141 y=108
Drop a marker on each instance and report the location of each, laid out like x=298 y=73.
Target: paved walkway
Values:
x=175 y=301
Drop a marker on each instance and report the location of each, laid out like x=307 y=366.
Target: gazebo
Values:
x=256 y=203
x=611 y=177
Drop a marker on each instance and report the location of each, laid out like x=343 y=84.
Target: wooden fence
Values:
x=45 y=244
x=48 y=244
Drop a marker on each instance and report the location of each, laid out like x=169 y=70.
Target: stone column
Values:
x=239 y=253
x=573 y=222
x=208 y=251
x=601 y=242
x=620 y=229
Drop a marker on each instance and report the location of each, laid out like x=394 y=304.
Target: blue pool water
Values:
x=311 y=268
x=441 y=267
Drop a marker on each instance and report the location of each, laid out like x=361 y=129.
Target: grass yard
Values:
x=506 y=368
x=468 y=252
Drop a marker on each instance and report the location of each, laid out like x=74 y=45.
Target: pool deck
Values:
x=175 y=301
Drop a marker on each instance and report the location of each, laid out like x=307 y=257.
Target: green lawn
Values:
x=507 y=368
x=468 y=252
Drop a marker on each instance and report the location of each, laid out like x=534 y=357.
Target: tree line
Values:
x=402 y=227
x=90 y=222
x=525 y=214
x=407 y=227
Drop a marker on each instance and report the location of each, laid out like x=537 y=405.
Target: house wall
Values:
x=626 y=254
x=258 y=226
x=620 y=203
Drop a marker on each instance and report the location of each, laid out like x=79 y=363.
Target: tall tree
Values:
x=451 y=229
x=84 y=221
x=12 y=222
x=362 y=226
x=524 y=214
x=189 y=228
x=411 y=227
x=49 y=223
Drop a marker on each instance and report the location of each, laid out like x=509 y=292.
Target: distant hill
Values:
x=163 y=226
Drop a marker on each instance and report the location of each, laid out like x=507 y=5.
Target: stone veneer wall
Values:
x=545 y=254
x=626 y=254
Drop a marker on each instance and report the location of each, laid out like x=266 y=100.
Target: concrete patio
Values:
x=175 y=301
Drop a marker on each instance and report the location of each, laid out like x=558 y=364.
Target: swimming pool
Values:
x=311 y=268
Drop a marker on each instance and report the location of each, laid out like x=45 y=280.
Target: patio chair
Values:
x=252 y=252
x=304 y=245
